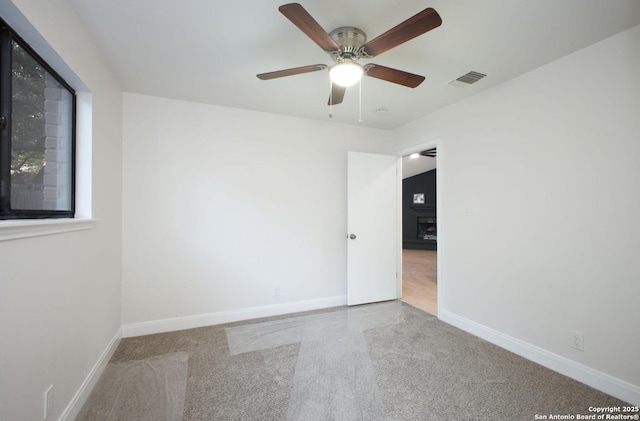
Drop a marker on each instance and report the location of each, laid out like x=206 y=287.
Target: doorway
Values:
x=419 y=227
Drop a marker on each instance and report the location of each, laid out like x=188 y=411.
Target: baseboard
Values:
x=209 y=319
x=605 y=383
x=73 y=408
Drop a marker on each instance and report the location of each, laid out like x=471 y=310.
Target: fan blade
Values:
x=337 y=94
x=291 y=72
x=392 y=75
x=307 y=24
x=417 y=25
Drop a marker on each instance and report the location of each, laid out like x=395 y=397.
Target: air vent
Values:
x=468 y=79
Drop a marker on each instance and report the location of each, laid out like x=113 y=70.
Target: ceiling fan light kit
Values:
x=347 y=45
x=346 y=73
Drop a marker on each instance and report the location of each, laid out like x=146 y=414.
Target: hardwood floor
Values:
x=420 y=279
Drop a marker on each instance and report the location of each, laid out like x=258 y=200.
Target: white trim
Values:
x=210 y=319
x=84 y=159
x=598 y=380
x=73 y=408
x=15 y=229
x=399 y=230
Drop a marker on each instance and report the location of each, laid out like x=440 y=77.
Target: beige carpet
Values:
x=152 y=389
x=386 y=361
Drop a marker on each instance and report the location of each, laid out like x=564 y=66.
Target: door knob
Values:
x=352 y=236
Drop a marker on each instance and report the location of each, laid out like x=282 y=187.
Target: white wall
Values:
x=548 y=165
x=60 y=294
x=221 y=205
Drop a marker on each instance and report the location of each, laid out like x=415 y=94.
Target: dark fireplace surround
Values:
x=419 y=221
x=427 y=228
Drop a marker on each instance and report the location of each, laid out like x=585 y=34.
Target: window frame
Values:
x=7 y=36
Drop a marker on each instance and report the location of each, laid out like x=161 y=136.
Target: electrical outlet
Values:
x=48 y=402
x=576 y=340
x=276 y=291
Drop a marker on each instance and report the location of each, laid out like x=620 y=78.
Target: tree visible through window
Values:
x=37 y=135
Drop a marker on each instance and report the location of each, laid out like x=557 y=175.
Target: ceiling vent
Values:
x=468 y=79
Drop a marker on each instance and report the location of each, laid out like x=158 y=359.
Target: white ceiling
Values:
x=417 y=165
x=210 y=51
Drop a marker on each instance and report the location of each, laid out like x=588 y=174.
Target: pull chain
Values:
x=360 y=103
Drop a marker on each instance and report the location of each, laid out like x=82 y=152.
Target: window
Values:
x=37 y=135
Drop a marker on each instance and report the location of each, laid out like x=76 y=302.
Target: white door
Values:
x=371 y=225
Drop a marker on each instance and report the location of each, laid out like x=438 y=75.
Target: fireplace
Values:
x=427 y=228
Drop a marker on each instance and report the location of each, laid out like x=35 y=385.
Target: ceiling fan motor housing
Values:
x=350 y=40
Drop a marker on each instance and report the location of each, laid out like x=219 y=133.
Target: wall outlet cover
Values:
x=576 y=340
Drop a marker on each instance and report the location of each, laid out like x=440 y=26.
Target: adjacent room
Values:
x=420 y=230
x=192 y=191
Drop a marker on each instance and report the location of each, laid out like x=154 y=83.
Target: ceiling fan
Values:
x=346 y=45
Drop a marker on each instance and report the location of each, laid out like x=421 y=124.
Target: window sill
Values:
x=15 y=229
